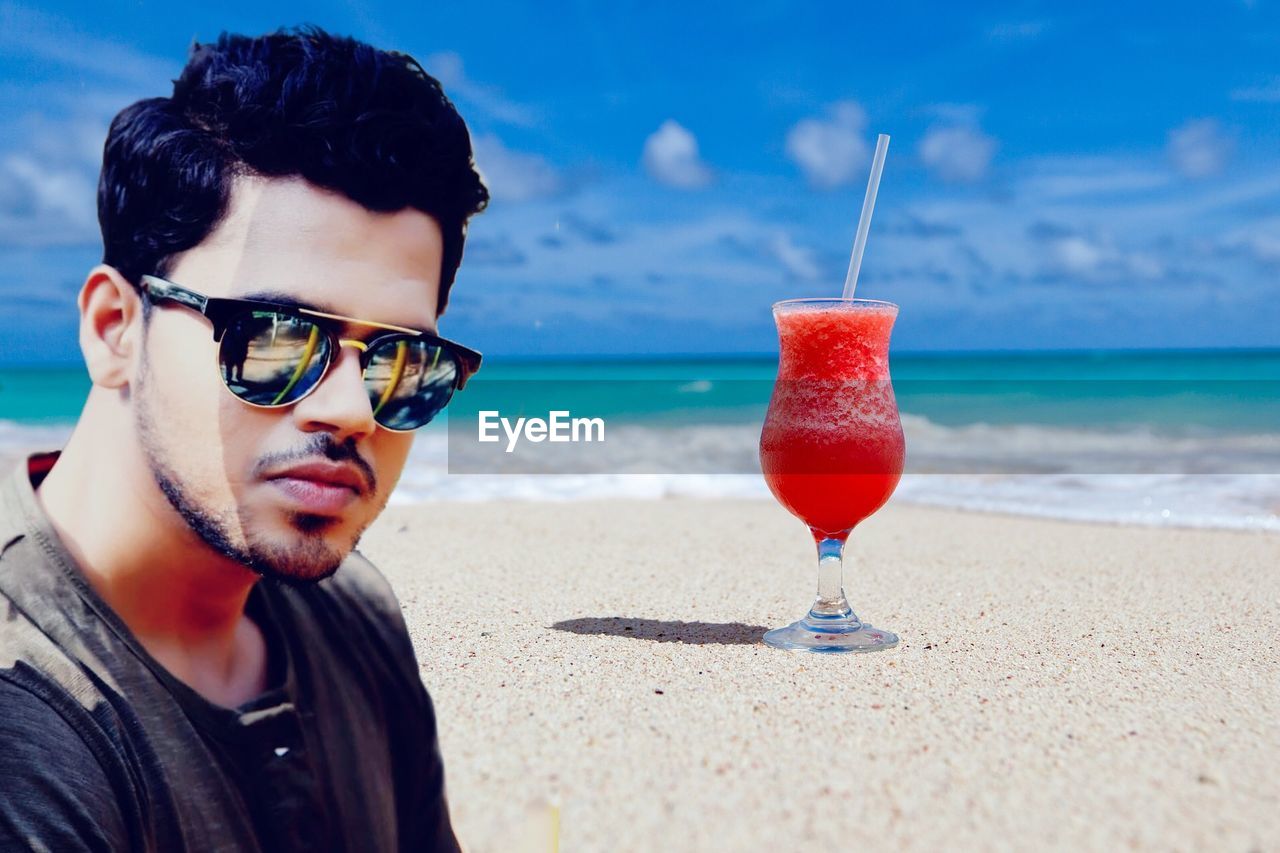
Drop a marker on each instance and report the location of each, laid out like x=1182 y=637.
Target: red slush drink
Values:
x=832 y=449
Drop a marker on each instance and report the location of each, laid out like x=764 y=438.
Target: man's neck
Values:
x=184 y=602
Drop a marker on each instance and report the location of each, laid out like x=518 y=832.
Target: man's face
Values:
x=214 y=456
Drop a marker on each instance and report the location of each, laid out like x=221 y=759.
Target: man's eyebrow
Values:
x=279 y=297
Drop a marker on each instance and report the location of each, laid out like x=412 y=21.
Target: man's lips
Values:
x=325 y=473
x=320 y=486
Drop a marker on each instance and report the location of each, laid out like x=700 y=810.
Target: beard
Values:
x=302 y=561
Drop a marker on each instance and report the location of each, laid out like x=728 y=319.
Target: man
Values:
x=192 y=654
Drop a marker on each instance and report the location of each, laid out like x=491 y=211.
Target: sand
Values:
x=1057 y=685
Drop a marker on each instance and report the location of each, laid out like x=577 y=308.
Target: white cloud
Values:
x=831 y=151
x=1076 y=267
x=57 y=117
x=1058 y=178
x=44 y=205
x=1016 y=31
x=1124 y=190
x=1264 y=93
x=498 y=250
x=953 y=113
x=50 y=190
x=1076 y=254
x=48 y=185
x=447 y=68
x=1199 y=148
x=1260 y=240
x=959 y=153
x=1089 y=258
x=28 y=32
x=1048 y=251
x=667 y=263
x=1112 y=223
x=513 y=175
x=57 y=120
x=671 y=157
x=797 y=260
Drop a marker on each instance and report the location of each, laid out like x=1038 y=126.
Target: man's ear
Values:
x=111 y=331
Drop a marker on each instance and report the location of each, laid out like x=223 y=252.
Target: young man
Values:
x=192 y=654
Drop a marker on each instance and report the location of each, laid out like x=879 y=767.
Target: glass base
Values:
x=840 y=634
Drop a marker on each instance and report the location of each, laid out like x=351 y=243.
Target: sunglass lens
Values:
x=272 y=359
x=409 y=382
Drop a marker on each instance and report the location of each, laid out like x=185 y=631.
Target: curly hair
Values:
x=367 y=123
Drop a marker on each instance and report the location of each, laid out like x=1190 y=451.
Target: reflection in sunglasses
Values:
x=274 y=360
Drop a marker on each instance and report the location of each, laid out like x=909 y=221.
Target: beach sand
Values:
x=1057 y=685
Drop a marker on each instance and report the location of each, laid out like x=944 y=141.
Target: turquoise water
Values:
x=1216 y=390
x=1167 y=438
x=42 y=394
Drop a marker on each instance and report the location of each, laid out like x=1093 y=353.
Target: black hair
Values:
x=370 y=124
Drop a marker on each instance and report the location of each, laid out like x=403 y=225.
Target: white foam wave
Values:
x=1200 y=481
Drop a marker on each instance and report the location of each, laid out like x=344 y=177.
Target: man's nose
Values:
x=340 y=404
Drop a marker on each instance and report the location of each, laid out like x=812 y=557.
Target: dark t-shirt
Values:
x=101 y=748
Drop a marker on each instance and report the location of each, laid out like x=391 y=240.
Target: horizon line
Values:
x=561 y=358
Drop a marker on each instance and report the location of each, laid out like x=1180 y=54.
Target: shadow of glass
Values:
x=660 y=631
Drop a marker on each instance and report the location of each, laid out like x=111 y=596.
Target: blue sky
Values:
x=1070 y=176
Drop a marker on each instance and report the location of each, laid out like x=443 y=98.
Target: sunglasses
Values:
x=272 y=355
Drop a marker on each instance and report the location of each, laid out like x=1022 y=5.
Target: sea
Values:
x=1186 y=438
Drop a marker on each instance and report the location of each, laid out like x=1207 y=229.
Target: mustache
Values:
x=323 y=445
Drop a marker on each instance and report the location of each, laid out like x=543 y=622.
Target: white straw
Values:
x=864 y=221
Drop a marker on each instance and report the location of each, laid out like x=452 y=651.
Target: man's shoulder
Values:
x=13 y=520
x=32 y=660
x=56 y=794
x=58 y=722
x=43 y=642
x=40 y=716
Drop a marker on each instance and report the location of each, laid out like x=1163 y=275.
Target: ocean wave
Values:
x=1221 y=481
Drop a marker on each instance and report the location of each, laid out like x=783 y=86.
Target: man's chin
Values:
x=289 y=577
x=298 y=560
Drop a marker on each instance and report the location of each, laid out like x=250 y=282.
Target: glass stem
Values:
x=831 y=603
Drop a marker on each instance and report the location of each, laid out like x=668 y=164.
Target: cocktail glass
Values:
x=832 y=449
